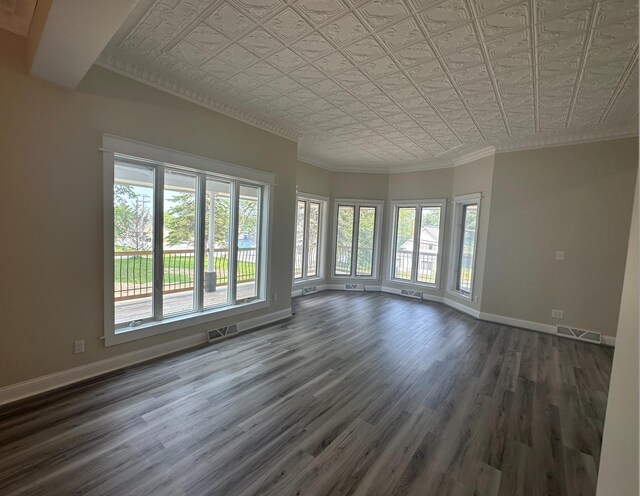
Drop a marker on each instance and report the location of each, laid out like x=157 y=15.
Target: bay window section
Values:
x=464 y=244
x=308 y=244
x=356 y=239
x=417 y=241
x=183 y=243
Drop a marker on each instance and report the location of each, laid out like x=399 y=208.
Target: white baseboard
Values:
x=463 y=308
x=56 y=380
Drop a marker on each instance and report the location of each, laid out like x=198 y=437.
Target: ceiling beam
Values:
x=63 y=48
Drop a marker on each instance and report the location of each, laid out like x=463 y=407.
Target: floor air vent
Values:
x=222 y=332
x=354 y=287
x=570 y=332
x=309 y=290
x=411 y=294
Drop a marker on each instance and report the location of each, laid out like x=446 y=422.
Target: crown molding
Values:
x=143 y=75
x=488 y=151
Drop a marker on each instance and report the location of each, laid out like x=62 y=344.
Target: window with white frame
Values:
x=181 y=243
x=310 y=213
x=356 y=241
x=417 y=242
x=464 y=244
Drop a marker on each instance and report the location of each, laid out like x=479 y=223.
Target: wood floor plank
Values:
x=358 y=393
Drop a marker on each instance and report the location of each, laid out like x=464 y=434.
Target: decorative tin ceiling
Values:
x=389 y=85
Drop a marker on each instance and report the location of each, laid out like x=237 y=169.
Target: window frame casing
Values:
x=378 y=205
x=418 y=205
x=322 y=238
x=459 y=202
x=153 y=156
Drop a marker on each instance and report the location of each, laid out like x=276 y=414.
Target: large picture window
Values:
x=357 y=228
x=417 y=242
x=463 y=246
x=310 y=214
x=183 y=243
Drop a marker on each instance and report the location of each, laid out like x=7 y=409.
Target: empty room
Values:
x=319 y=247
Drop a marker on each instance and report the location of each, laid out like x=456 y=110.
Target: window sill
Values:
x=460 y=294
x=411 y=283
x=124 y=335
x=355 y=278
x=309 y=280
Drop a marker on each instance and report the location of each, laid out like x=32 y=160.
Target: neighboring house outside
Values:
x=428 y=241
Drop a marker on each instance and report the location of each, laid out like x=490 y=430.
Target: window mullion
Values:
x=354 y=237
x=417 y=232
x=233 y=241
x=198 y=283
x=305 y=238
x=158 y=251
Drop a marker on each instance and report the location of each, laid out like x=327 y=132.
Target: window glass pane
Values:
x=217 y=234
x=179 y=242
x=366 y=233
x=344 y=244
x=299 y=254
x=314 y=237
x=429 y=249
x=467 y=248
x=405 y=225
x=133 y=243
x=248 y=242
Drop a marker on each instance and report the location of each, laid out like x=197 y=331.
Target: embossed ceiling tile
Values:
x=285 y=84
x=190 y=53
x=476 y=88
x=341 y=98
x=389 y=110
x=562 y=66
x=285 y=60
x=263 y=72
x=520 y=77
x=319 y=105
x=243 y=81
x=555 y=82
x=364 y=50
x=608 y=35
x=401 y=34
x=611 y=12
x=306 y=74
x=260 y=42
x=302 y=95
x=471 y=74
x=259 y=9
x=344 y=30
x=406 y=93
x=506 y=45
x=443 y=94
x=265 y=92
x=415 y=53
x=560 y=27
x=287 y=26
x=312 y=46
x=334 y=63
x=379 y=13
x=320 y=11
x=565 y=47
x=619 y=51
x=450 y=106
x=515 y=62
x=354 y=108
x=218 y=68
x=485 y=6
x=456 y=39
x=464 y=58
x=443 y=16
x=376 y=101
x=207 y=38
x=367 y=116
x=230 y=21
x=380 y=67
x=238 y=56
x=435 y=83
x=350 y=78
x=365 y=90
x=505 y=21
x=426 y=70
x=547 y=9
x=283 y=102
x=393 y=81
x=325 y=87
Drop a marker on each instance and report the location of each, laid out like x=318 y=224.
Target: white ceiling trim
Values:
x=146 y=76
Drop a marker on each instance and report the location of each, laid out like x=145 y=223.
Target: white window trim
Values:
x=456 y=226
x=418 y=204
x=322 y=241
x=158 y=156
x=379 y=206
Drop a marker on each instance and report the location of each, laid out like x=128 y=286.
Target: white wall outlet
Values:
x=559 y=255
x=557 y=314
x=78 y=346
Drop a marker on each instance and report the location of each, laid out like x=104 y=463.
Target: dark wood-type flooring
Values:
x=358 y=393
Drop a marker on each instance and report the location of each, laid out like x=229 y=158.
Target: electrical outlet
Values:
x=78 y=346
x=274 y=296
x=559 y=255
x=557 y=314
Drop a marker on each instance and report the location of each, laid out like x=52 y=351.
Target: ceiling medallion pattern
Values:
x=389 y=85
